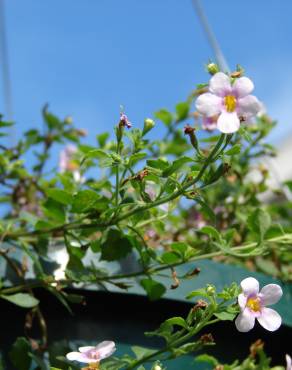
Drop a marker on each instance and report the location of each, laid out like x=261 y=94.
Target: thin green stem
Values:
x=154 y=270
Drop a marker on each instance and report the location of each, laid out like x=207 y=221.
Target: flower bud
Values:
x=157 y=367
x=68 y=120
x=210 y=290
x=213 y=68
x=148 y=125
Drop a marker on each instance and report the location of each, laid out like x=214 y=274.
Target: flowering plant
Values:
x=167 y=203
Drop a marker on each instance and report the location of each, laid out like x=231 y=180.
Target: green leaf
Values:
x=19 y=354
x=102 y=138
x=51 y=120
x=54 y=210
x=115 y=246
x=234 y=150
x=178 y=321
x=176 y=165
x=244 y=133
x=170 y=257
x=165 y=116
x=135 y=158
x=207 y=358
x=206 y=209
x=105 y=159
x=159 y=164
x=259 y=222
x=197 y=293
x=182 y=111
x=141 y=352
x=21 y=299
x=84 y=200
x=60 y=196
x=212 y=232
x=225 y=316
x=154 y=289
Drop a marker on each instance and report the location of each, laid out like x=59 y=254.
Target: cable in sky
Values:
x=4 y=61
x=211 y=36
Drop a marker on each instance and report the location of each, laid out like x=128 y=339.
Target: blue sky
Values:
x=87 y=57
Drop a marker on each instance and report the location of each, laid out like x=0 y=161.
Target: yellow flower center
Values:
x=72 y=166
x=230 y=103
x=254 y=304
x=93 y=366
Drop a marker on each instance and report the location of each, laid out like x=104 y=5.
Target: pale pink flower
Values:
x=230 y=102
x=91 y=355
x=67 y=163
x=209 y=123
x=253 y=304
x=289 y=362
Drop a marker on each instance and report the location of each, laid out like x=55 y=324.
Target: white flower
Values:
x=231 y=102
x=91 y=355
x=289 y=362
x=253 y=304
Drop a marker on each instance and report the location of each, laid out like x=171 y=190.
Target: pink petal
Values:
x=270 y=319
x=270 y=294
x=208 y=104
x=243 y=86
x=242 y=301
x=245 y=321
x=250 y=286
x=228 y=122
x=209 y=123
x=248 y=106
x=85 y=349
x=220 y=84
x=105 y=349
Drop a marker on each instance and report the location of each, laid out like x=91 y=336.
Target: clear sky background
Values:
x=87 y=57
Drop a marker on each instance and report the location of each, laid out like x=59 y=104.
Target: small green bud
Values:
x=68 y=120
x=213 y=68
x=210 y=290
x=148 y=125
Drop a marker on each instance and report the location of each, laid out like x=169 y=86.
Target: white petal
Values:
x=228 y=122
x=243 y=86
x=220 y=84
x=248 y=106
x=85 y=349
x=245 y=321
x=75 y=356
x=250 y=286
x=270 y=294
x=242 y=301
x=270 y=319
x=105 y=349
x=209 y=104
x=289 y=362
